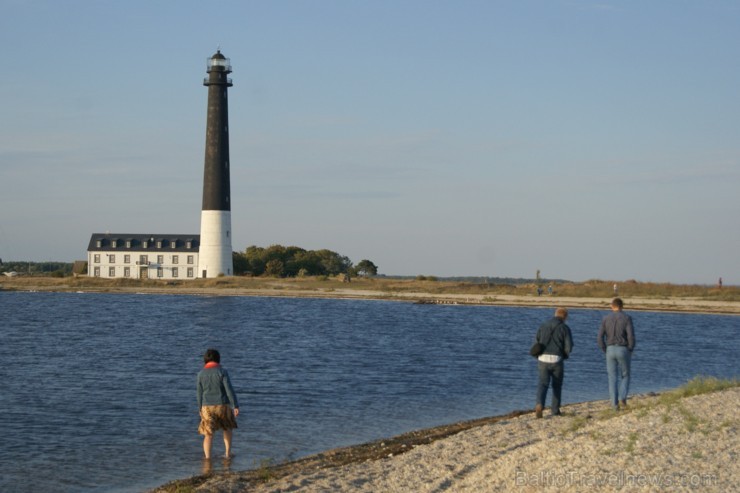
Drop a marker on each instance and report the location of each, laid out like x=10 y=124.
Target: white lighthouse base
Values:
x=215 y=253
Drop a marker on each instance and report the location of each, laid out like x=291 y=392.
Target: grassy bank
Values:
x=589 y=295
x=588 y=289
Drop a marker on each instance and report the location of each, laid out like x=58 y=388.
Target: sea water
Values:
x=97 y=391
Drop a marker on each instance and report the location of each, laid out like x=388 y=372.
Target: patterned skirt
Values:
x=214 y=418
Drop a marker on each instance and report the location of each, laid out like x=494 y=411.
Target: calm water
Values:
x=97 y=391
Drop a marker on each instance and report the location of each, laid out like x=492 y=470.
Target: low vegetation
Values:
x=697 y=386
x=671 y=401
x=387 y=287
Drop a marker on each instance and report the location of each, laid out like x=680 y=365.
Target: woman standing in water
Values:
x=217 y=402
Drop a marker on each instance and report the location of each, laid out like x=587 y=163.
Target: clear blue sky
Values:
x=587 y=139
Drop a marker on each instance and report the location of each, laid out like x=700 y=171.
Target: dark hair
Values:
x=618 y=303
x=211 y=355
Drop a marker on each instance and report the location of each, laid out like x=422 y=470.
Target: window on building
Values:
x=190 y=272
x=188 y=244
x=111 y=272
x=174 y=272
x=160 y=259
x=96 y=272
x=128 y=243
x=173 y=243
x=160 y=272
x=96 y=258
x=159 y=243
x=143 y=259
x=190 y=259
x=114 y=244
x=99 y=243
x=112 y=259
x=127 y=272
x=127 y=259
x=175 y=259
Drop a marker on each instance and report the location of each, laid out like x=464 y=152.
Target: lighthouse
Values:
x=215 y=254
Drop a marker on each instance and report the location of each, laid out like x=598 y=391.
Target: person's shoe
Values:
x=556 y=413
x=538 y=411
x=623 y=405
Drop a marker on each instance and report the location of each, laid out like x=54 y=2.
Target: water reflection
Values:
x=206 y=466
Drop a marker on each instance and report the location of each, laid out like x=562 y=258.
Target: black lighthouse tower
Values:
x=215 y=256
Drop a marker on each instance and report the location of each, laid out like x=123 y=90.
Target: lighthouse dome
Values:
x=218 y=63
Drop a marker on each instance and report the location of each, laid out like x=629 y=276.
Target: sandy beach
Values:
x=660 y=443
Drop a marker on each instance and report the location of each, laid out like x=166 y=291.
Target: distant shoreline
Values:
x=409 y=291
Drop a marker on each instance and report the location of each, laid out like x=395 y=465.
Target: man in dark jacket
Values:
x=617 y=340
x=556 y=337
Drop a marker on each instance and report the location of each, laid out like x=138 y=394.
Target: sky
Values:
x=584 y=139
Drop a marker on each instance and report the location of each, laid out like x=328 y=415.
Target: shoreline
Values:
x=661 y=440
x=278 y=289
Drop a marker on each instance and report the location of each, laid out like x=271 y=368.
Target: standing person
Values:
x=617 y=339
x=556 y=337
x=217 y=402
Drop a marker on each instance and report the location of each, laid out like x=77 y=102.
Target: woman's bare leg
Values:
x=227 y=443
x=207 y=441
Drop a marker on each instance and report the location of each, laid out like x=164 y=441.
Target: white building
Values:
x=143 y=256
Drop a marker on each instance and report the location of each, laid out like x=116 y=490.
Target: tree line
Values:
x=55 y=269
x=293 y=261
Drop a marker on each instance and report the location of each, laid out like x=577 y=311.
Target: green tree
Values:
x=333 y=263
x=254 y=263
x=241 y=264
x=274 y=268
x=293 y=260
x=366 y=268
x=307 y=262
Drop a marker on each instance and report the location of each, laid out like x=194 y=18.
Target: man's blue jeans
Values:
x=547 y=372
x=618 y=364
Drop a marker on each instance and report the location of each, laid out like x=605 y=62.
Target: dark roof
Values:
x=137 y=242
x=218 y=55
